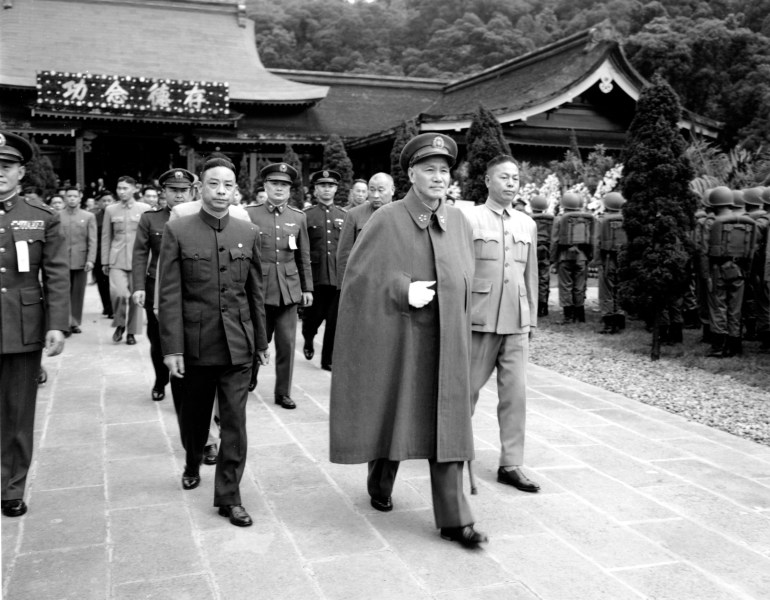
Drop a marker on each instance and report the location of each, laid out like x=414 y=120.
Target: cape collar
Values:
x=420 y=213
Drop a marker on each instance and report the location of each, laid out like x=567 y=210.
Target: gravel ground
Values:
x=715 y=400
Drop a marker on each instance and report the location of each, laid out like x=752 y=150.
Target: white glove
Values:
x=419 y=294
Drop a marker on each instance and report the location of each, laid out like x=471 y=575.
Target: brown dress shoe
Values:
x=210 y=454
x=465 y=535
x=383 y=504
x=517 y=479
x=237 y=515
x=285 y=402
x=14 y=508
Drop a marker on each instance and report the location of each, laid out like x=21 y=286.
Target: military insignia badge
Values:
x=178 y=175
x=438 y=142
x=326 y=173
x=283 y=168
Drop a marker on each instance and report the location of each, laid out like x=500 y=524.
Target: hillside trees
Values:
x=484 y=142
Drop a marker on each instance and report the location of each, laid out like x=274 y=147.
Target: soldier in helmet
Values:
x=754 y=301
x=727 y=246
x=571 y=250
x=611 y=238
x=704 y=212
x=544 y=222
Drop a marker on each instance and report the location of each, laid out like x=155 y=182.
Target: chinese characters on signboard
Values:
x=124 y=95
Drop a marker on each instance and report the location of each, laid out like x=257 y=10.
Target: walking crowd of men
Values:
x=421 y=301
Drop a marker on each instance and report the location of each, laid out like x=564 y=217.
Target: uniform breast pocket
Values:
x=520 y=248
x=118 y=224
x=481 y=298
x=32 y=315
x=35 y=239
x=486 y=244
x=240 y=262
x=196 y=264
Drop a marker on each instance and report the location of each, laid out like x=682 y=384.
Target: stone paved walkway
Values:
x=636 y=502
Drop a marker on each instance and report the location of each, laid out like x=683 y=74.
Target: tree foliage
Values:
x=405 y=132
x=336 y=158
x=659 y=213
x=245 y=184
x=715 y=54
x=290 y=157
x=484 y=141
x=39 y=172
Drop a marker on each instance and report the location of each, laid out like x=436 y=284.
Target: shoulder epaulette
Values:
x=39 y=204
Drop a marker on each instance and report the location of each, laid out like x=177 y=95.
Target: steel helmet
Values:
x=720 y=196
x=613 y=200
x=571 y=200
x=753 y=196
x=538 y=203
x=738 y=201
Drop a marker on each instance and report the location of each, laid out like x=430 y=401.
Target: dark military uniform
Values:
x=31 y=249
x=212 y=312
x=611 y=239
x=286 y=273
x=324 y=224
x=102 y=280
x=544 y=224
x=571 y=250
x=149 y=235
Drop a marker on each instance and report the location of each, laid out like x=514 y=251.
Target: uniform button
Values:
x=329 y=242
x=221 y=249
x=328 y=231
x=2 y=269
x=277 y=238
x=507 y=264
x=223 y=269
x=2 y=250
x=224 y=309
x=3 y=290
x=277 y=262
x=277 y=226
x=2 y=212
x=506 y=281
x=328 y=253
x=507 y=248
x=224 y=289
x=2 y=229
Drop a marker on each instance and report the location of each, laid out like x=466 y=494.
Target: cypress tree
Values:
x=404 y=132
x=336 y=159
x=39 y=172
x=484 y=141
x=245 y=183
x=658 y=215
x=290 y=157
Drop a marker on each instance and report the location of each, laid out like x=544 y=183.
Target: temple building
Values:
x=105 y=90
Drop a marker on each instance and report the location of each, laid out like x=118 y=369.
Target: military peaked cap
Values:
x=176 y=178
x=426 y=145
x=325 y=176
x=279 y=172
x=14 y=148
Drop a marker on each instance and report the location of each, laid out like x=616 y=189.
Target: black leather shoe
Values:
x=309 y=351
x=210 y=454
x=130 y=339
x=67 y=333
x=517 y=479
x=158 y=394
x=383 y=505
x=326 y=368
x=118 y=335
x=285 y=402
x=466 y=535
x=76 y=329
x=190 y=481
x=237 y=515
x=14 y=508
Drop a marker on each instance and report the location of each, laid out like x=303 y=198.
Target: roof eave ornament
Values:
x=601 y=32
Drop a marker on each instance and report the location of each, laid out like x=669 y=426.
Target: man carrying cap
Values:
x=324 y=224
x=34 y=313
x=401 y=379
x=287 y=278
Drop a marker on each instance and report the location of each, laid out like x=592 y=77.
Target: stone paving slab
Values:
x=635 y=502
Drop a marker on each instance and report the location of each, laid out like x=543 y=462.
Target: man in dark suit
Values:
x=177 y=187
x=381 y=190
x=286 y=268
x=212 y=319
x=103 y=200
x=324 y=223
x=33 y=315
x=79 y=229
